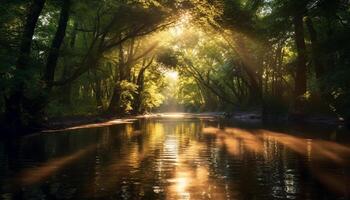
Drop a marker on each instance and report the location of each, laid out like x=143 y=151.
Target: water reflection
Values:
x=174 y=158
x=317 y=151
x=192 y=176
x=254 y=141
x=37 y=174
x=94 y=125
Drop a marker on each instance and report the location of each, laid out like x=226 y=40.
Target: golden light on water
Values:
x=315 y=150
x=94 y=125
x=36 y=174
x=183 y=167
x=173 y=115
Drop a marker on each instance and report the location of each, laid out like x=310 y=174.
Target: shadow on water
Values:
x=314 y=150
x=177 y=158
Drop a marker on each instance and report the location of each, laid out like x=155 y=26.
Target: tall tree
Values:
x=56 y=44
x=301 y=69
x=14 y=102
x=316 y=55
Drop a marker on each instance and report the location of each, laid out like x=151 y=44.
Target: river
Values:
x=178 y=157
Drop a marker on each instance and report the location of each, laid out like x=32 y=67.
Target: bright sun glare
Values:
x=179 y=28
x=173 y=75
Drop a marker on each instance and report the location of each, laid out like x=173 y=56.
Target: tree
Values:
x=14 y=101
x=52 y=59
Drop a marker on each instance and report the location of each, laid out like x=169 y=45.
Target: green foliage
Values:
x=228 y=54
x=338 y=90
x=152 y=97
x=168 y=58
x=128 y=89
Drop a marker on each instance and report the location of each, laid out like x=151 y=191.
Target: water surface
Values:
x=178 y=158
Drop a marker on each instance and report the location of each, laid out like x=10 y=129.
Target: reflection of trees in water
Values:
x=39 y=163
x=270 y=145
x=180 y=159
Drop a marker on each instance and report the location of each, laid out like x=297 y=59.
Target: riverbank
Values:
x=256 y=116
x=93 y=121
x=75 y=122
x=79 y=122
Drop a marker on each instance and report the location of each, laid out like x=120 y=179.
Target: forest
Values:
x=62 y=58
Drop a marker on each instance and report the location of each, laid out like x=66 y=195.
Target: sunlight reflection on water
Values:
x=315 y=150
x=166 y=158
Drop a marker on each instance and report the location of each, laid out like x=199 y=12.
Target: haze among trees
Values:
x=117 y=57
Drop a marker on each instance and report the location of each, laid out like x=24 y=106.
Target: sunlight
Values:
x=181 y=184
x=172 y=75
x=174 y=99
x=94 y=125
x=36 y=174
x=173 y=115
x=179 y=28
x=176 y=31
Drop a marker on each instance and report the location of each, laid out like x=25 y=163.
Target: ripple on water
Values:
x=175 y=159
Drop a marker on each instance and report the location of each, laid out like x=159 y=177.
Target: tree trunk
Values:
x=316 y=57
x=138 y=97
x=26 y=43
x=98 y=91
x=114 y=104
x=279 y=92
x=66 y=89
x=56 y=44
x=301 y=69
x=140 y=82
x=300 y=80
x=14 y=102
